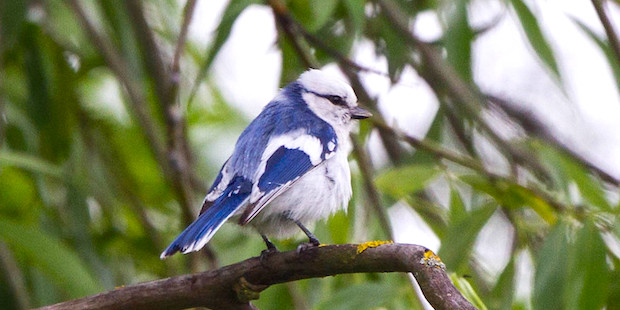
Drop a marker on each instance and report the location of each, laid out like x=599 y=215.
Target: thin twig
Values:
x=280 y=12
x=390 y=143
x=612 y=36
x=137 y=99
x=14 y=277
x=443 y=79
x=537 y=128
x=371 y=191
x=468 y=162
x=123 y=182
x=188 y=13
x=234 y=286
x=150 y=51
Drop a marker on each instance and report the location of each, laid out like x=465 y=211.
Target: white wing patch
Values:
x=221 y=186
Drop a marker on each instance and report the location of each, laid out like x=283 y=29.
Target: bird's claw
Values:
x=307 y=245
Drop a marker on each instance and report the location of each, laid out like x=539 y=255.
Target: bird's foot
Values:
x=314 y=242
x=271 y=249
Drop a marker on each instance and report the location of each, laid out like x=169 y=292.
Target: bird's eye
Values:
x=337 y=100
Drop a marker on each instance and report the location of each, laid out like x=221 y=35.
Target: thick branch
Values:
x=233 y=286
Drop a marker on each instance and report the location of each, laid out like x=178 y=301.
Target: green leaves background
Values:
x=90 y=192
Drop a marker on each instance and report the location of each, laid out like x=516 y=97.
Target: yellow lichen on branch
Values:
x=371 y=244
x=432 y=260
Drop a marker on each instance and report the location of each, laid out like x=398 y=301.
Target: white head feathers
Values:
x=322 y=83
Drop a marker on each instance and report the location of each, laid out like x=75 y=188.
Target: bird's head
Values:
x=330 y=98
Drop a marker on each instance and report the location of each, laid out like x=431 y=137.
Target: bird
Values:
x=289 y=166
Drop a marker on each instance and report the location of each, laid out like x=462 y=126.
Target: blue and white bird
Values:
x=289 y=166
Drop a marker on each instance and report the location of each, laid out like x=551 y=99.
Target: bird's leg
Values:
x=308 y=233
x=271 y=249
x=270 y=245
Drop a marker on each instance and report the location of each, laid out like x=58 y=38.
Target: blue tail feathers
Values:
x=197 y=234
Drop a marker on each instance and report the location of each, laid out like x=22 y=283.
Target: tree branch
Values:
x=137 y=99
x=233 y=286
x=534 y=126
x=444 y=80
x=468 y=162
x=609 y=28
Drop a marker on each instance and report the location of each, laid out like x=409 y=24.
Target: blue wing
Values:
x=283 y=168
x=196 y=235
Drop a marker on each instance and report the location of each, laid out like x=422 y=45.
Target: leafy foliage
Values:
x=97 y=174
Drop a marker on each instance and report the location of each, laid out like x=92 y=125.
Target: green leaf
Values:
x=356 y=10
x=12 y=18
x=551 y=270
x=338 y=225
x=511 y=195
x=502 y=294
x=468 y=291
x=29 y=162
x=361 y=296
x=588 y=281
x=535 y=36
x=458 y=39
x=18 y=190
x=292 y=65
x=603 y=45
x=51 y=256
x=390 y=44
x=322 y=10
x=458 y=211
x=591 y=189
x=405 y=180
x=462 y=232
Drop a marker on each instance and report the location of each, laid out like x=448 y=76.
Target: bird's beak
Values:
x=359 y=113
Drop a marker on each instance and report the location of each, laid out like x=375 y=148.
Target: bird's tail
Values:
x=197 y=234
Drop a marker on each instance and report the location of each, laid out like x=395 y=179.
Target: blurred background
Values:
x=495 y=142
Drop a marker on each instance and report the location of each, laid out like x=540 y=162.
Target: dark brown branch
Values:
x=234 y=286
x=612 y=37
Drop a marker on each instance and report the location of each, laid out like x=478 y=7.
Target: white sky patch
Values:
x=408 y=227
x=247 y=69
x=102 y=95
x=494 y=243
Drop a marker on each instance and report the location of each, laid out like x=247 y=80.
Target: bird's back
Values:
x=283 y=115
